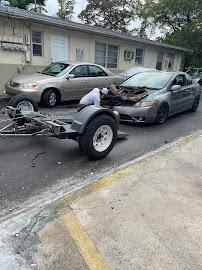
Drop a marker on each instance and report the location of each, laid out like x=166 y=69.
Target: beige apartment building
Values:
x=29 y=40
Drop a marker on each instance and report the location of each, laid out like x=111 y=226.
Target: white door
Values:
x=59 y=48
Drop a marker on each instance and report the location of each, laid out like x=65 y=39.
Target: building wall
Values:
x=19 y=32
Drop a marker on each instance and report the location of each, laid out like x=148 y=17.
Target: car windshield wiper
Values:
x=140 y=87
x=150 y=88
x=47 y=74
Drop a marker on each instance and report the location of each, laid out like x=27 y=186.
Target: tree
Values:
x=20 y=3
x=179 y=21
x=110 y=14
x=37 y=5
x=66 y=9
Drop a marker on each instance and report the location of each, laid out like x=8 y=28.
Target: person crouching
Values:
x=94 y=97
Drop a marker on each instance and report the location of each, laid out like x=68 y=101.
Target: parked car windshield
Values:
x=56 y=69
x=153 y=80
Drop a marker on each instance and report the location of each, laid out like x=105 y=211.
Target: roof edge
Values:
x=50 y=20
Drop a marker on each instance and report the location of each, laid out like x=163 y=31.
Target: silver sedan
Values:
x=160 y=95
x=61 y=81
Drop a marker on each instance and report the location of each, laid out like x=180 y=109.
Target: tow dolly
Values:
x=95 y=128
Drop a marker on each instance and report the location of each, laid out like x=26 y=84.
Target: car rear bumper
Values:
x=34 y=94
x=137 y=115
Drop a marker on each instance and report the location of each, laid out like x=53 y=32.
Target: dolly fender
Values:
x=88 y=113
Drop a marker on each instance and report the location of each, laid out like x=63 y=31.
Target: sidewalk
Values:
x=145 y=216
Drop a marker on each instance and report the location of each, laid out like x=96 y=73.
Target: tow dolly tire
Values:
x=19 y=99
x=86 y=140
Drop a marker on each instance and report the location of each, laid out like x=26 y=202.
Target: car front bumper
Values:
x=137 y=115
x=35 y=94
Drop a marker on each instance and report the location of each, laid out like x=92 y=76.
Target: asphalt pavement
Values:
x=33 y=170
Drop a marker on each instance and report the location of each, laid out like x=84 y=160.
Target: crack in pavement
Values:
x=28 y=230
x=35 y=158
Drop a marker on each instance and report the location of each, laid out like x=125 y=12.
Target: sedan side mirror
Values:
x=70 y=76
x=175 y=87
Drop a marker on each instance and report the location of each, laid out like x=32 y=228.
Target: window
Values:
x=189 y=79
x=96 y=72
x=180 y=80
x=106 y=55
x=171 y=57
x=139 y=57
x=37 y=43
x=112 y=55
x=159 y=62
x=80 y=71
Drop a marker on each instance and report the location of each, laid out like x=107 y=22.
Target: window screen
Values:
x=159 y=62
x=37 y=43
x=139 y=57
x=106 y=55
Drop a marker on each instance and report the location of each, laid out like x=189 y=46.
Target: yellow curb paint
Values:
x=90 y=254
x=102 y=182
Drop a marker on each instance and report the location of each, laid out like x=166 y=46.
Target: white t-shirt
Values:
x=92 y=98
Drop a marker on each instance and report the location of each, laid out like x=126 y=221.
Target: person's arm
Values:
x=113 y=88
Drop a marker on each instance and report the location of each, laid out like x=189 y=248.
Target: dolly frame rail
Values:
x=36 y=124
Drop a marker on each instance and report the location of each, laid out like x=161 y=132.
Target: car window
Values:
x=80 y=71
x=55 y=69
x=189 y=80
x=96 y=71
x=180 y=80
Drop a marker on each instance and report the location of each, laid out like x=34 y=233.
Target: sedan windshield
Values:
x=152 y=80
x=56 y=69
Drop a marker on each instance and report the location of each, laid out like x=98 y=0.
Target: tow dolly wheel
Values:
x=23 y=104
x=99 y=136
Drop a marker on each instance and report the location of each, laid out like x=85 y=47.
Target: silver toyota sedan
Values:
x=153 y=96
x=60 y=82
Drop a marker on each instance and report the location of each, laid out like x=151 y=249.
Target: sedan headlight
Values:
x=29 y=85
x=149 y=103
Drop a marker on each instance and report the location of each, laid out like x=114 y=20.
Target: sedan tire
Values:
x=162 y=114
x=195 y=104
x=49 y=98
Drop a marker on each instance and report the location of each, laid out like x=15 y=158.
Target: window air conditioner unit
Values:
x=128 y=55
